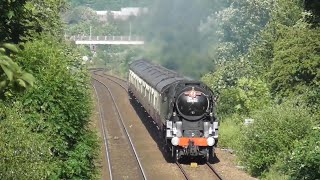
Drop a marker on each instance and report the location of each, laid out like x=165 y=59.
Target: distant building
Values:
x=123 y=14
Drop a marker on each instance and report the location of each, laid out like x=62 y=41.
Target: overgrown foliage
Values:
x=44 y=130
x=59 y=106
x=12 y=77
x=23 y=19
x=272 y=134
x=303 y=162
x=271 y=76
x=24 y=154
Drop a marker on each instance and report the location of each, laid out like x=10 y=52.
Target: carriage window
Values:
x=151 y=100
x=156 y=103
x=141 y=87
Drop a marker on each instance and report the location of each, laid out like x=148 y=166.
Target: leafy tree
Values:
x=296 y=63
x=59 y=106
x=281 y=60
x=11 y=75
x=22 y=19
x=303 y=162
x=314 y=7
x=24 y=153
x=233 y=29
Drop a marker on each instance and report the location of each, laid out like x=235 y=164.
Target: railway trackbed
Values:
x=123 y=160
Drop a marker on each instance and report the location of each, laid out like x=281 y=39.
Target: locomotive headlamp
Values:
x=210 y=141
x=175 y=141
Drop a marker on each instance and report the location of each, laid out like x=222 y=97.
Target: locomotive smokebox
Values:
x=192 y=103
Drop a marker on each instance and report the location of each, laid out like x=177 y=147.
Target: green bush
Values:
x=304 y=161
x=275 y=172
x=59 y=105
x=252 y=94
x=272 y=135
x=23 y=154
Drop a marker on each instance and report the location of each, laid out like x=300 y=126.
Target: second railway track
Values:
x=123 y=161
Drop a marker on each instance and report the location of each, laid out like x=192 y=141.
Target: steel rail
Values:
x=124 y=127
x=214 y=170
x=106 y=76
x=113 y=76
x=183 y=171
x=104 y=132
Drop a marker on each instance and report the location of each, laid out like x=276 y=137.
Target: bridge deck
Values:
x=120 y=40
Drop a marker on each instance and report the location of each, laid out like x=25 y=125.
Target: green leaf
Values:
x=3 y=84
x=8 y=72
x=27 y=77
x=21 y=83
x=11 y=47
x=10 y=14
x=5 y=58
x=2 y=50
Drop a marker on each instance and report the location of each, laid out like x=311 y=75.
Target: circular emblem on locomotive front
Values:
x=192 y=103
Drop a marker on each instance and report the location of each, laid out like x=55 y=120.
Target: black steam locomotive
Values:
x=184 y=109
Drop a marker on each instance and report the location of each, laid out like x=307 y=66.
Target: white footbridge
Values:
x=100 y=40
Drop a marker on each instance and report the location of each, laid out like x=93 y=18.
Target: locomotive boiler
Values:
x=184 y=109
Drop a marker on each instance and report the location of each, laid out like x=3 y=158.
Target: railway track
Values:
x=212 y=170
x=104 y=134
x=183 y=171
x=114 y=79
x=117 y=141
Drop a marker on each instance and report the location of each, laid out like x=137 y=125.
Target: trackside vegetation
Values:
x=45 y=97
x=272 y=77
